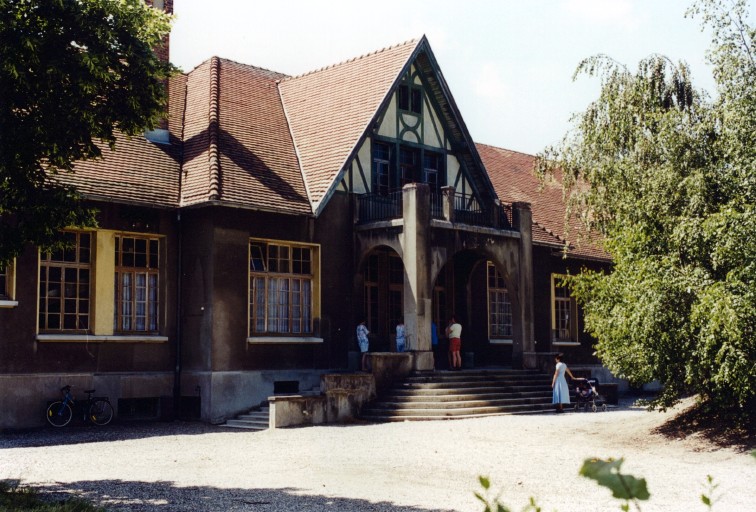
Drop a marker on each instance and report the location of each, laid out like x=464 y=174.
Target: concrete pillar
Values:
x=448 y=203
x=417 y=273
x=522 y=221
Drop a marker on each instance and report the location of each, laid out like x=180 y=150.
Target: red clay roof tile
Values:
x=514 y=180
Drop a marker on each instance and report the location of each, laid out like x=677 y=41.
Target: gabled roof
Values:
x=329 y=111
x=512 y=174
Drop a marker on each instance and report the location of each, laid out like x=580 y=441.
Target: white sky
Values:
x=509 y=63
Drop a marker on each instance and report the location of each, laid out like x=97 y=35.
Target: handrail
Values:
x=467 y=209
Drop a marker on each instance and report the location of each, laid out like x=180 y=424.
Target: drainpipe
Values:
x=177 y=367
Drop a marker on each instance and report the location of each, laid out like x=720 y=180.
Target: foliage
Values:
x=607 y=474
x=666 y=176
x=495 y=504
x=14 y=497
x=73 y=74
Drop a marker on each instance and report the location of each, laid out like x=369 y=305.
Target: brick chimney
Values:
x=163 y=51
x=160 y=134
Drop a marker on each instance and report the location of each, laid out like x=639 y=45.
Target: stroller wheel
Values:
x=603 y=407
x=594 y=408
x=577 y=407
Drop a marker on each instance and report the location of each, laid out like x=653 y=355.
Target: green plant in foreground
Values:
x=15 y=497
x=607 y=474
x=625 y=487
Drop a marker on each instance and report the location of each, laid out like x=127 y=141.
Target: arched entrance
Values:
x=382 y=294
x=475 y=288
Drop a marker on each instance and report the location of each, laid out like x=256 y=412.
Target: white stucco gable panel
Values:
x=387 y=127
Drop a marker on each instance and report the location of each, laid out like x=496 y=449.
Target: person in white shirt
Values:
x=454 y=333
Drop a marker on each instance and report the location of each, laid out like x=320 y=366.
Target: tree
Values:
x=667 y=177
x=73 y=75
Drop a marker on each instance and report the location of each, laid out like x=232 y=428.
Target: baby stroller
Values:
x=586 y=395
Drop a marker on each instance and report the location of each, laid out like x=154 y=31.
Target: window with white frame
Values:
x=281 y=281
x=137 y=284
x=65 y=285
x=499 y=306
x=563 y=311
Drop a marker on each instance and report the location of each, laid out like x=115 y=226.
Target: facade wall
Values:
x=34 y=368
x=546 y=262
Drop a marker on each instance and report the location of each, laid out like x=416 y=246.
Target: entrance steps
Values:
x=256 y=419
x=462 y=394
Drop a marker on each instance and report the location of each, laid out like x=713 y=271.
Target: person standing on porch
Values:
x=363 y=342
x=561 y=392
x=454 y=333
x=401 y=336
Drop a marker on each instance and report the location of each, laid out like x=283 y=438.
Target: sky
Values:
x=509 y=64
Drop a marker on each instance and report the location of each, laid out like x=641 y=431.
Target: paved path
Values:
x=401 y=467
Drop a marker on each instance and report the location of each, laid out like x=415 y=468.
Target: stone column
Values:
x=523 y=350
x=417 y=270
x=448 y=203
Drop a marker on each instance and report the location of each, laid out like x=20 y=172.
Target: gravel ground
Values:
x=397 y=467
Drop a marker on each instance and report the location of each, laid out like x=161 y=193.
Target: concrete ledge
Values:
x=92 y=338
x=284 y=339
x=388 y=367
x=343 y=396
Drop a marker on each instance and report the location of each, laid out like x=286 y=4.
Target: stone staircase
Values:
x=256 y=419
x=462 y=394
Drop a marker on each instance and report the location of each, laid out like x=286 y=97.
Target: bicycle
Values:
x=95 y=409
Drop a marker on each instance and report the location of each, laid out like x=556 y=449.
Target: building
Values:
x=239 y=246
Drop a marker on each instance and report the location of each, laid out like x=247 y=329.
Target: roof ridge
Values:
x=258 y=68
x=505 y=149
x=375 y=52
x=224 y=59
x=213 y=152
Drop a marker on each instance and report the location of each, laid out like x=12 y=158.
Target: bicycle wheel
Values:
x=59 y=414
x=100 y=412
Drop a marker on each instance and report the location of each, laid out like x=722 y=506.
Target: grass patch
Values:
x=15 y=497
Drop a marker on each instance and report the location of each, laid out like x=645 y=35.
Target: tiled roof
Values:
x=329 y=110
x=514 y=180
x=195 y=178
x=138 y=171
x=258 y=163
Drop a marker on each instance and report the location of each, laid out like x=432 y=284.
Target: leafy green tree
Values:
x=666 y=176
x=73 y=74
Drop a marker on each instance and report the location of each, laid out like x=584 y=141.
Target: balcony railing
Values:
x=467 y=209
x=373 y=207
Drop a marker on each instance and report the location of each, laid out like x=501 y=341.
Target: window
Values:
x=371 y=297
x=564 y=312
x=137 y=282
x=395 y=289
x=64 y=285
x=410 y=98
x=407 y=165
x=381 y=168
x=5 y=275
x=439 y=300
x=499 y=307
x=432 y=171
x=281 y=280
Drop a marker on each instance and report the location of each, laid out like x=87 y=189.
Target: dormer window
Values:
x=410 y=98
